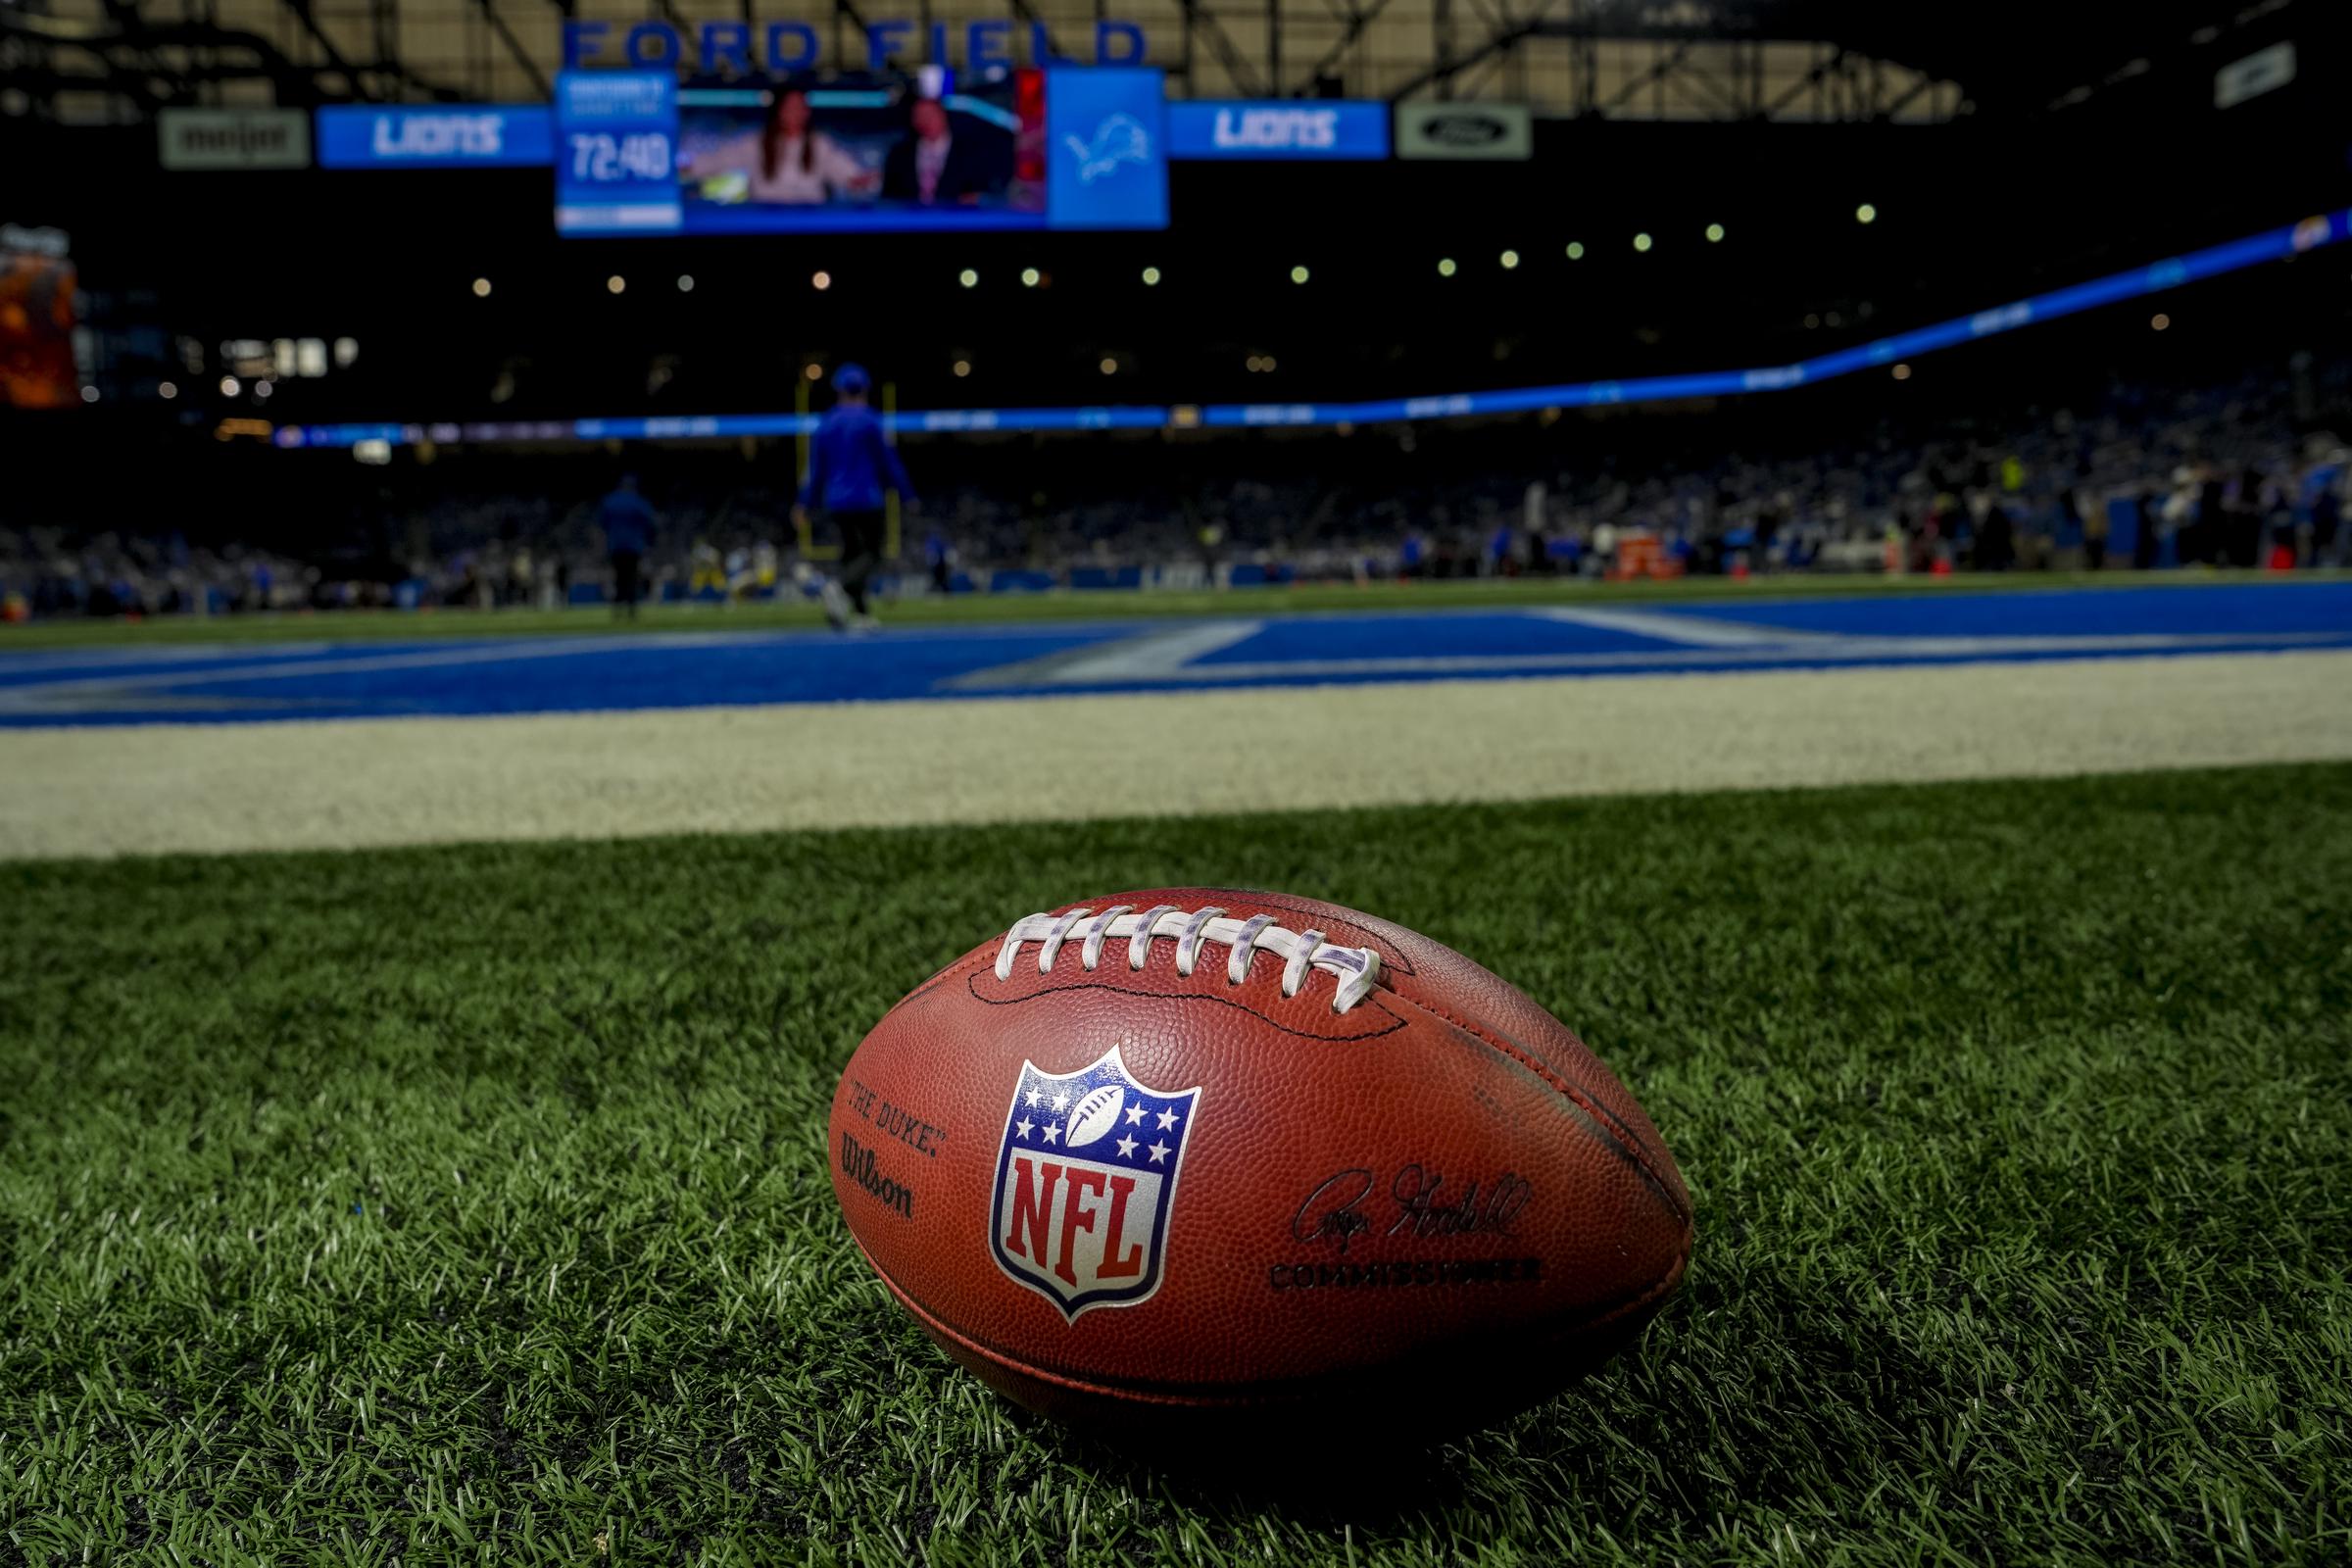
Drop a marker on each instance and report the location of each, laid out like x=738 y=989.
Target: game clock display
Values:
x=617 y=136
x=1062 y=147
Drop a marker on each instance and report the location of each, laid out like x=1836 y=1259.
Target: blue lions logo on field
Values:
x=1119 y=139
x=1085 y=1181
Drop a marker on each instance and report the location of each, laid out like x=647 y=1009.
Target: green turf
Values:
x=1464 y=594
x=472 y=1204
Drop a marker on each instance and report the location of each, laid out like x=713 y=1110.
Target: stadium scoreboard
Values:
x=1033 y=148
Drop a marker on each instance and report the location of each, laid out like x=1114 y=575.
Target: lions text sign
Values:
x=493 y=135
x=1278 y=129
x=1086 y=1179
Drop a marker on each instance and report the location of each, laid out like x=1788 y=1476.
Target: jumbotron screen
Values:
x=1051 y=148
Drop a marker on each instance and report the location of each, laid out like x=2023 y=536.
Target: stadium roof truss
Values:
x=1724 y=61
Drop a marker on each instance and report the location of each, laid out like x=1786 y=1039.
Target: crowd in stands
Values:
x=2226 y=475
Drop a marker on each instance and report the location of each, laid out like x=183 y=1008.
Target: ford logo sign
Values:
x=1465 y=129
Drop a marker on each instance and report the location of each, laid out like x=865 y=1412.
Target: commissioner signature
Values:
x=1418 y=1203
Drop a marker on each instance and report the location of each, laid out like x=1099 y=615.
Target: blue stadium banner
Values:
x=1282 y=127
x=617 y=139
x=1107 y=156
x=439 y=136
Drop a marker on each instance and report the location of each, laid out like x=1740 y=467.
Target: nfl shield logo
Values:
x=1085 y=1181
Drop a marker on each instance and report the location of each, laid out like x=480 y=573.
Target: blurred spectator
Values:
x=628 y=529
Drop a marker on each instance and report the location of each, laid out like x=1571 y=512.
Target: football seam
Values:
x=972 y=985
x=1391 y=956
x=1146 y=1393
x=1601 y=1116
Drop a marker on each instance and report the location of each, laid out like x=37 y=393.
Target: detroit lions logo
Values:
x=1086 y=1179
x=1119 y=140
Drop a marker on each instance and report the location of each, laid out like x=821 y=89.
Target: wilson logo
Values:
x=858 y=1164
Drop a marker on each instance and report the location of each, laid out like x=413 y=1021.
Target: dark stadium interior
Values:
x=2093 y=151
x=2014 y=196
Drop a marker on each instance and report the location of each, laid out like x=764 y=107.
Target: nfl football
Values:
x=1186 y=1155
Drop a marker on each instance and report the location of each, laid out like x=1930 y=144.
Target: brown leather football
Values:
x=1191 y=1154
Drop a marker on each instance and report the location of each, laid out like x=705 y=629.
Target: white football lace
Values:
x=1357 y=968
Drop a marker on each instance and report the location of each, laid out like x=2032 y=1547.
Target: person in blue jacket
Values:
x=628 y=525
x=849 y=466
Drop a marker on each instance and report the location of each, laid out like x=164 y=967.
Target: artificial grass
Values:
x=473 y=1203
x=1467 y=593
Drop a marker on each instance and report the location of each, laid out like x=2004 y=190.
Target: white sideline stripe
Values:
x=101 y=691
x=1695 y=632
x=343 y=784
x=101 y=655
x=1163 y=654
x=1838 y=650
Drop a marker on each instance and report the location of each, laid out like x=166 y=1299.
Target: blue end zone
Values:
x=230 y=683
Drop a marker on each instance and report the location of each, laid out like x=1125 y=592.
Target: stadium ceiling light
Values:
x=1576 y=249
x=1298 y=275
x=968 y=279
x=1268 y=362
x=821 y=281
x=1111 y=366
x=166 y=390
x=2159 y=322
x=1902 y=372
x=1510 y=259
x=229 y=386
x=1031 y=277
x=1150 y=277
x=685 y=282
x=615 y=283
x=1446 y=267
x=1866 y=213
x=89 y=394
x=1714 y=233
x=962 y=368
x=482 y=288
x=347 y=350
x=813 y=370
x=1642 y=242
x=261 y=389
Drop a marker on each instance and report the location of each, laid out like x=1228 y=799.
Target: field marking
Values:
x=343 y=784
x=1150 y=666
x=1159 y=654
x=1693 y=631
x=100 y=692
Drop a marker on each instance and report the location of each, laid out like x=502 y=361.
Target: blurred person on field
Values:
x=629 y=527
x=940 y=557
x=1498 y=552
x=1409 y=554
x=2323 y=501
x=520 y=575
x=706 y=570
x=850 y=464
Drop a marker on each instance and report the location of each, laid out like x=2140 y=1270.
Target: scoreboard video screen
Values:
x=1019 y=149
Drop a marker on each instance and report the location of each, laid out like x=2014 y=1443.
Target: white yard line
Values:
x=343 y=784
x=1693 y=631
x=1152 y=665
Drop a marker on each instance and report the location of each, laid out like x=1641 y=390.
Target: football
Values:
x=1173 y=1158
